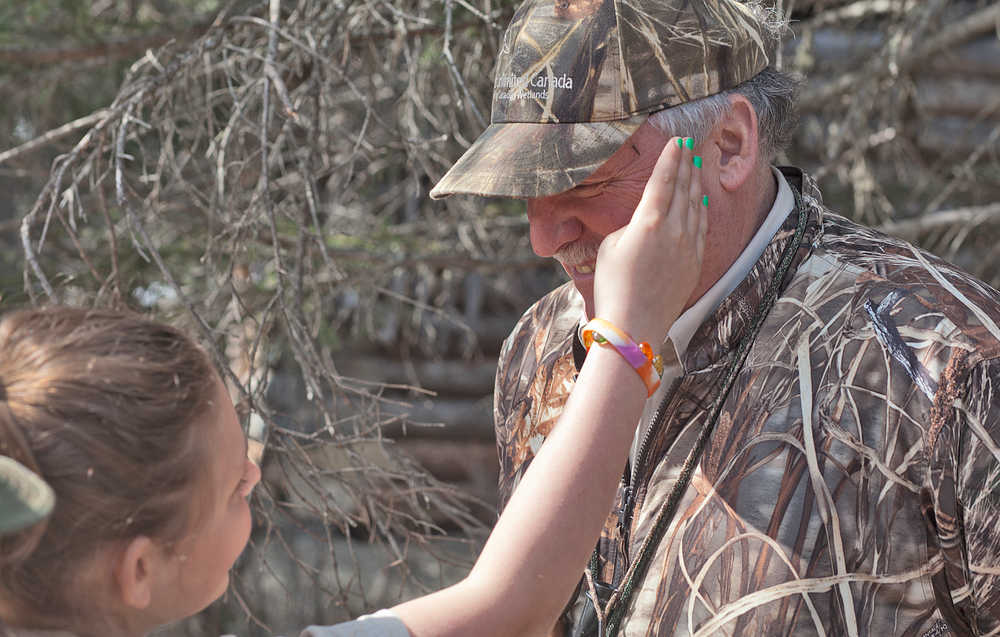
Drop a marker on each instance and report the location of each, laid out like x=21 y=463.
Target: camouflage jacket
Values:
x=850 y=485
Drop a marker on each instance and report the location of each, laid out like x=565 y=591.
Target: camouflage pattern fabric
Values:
x=575 y=78
x=852 y=483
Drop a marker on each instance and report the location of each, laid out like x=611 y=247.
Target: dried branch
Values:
x=853 y=11
x=56 y=133
x=115 y=49
x=914 y=229
x=982 y=21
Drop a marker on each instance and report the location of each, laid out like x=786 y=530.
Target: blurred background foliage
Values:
x=258 y=173
x=60 y=61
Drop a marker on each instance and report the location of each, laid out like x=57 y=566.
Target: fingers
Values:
x=694 y=211
x=679 y=205
x=672 y=207
x=659 y=191
x=697 y=209
x=666 y=233
x=702 y=231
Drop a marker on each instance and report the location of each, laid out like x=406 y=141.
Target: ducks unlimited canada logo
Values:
x=512 y=87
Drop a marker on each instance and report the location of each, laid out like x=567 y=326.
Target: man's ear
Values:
x=737 y=137
x=134 y=572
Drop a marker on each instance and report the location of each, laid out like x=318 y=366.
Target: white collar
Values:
x=691 y=319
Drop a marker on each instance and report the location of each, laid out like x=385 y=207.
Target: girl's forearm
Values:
x=535 y=555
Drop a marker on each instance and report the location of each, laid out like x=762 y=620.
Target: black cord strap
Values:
x=619 y=602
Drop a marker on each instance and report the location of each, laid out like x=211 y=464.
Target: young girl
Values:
x=131 y=426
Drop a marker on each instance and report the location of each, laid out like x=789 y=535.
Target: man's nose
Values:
x=551 y=226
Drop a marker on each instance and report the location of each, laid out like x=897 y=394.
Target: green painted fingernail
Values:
x=697 y=161
x=680 y=143
x=690 y=142
x=704 y=200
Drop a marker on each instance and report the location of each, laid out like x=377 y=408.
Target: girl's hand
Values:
x=647 y=270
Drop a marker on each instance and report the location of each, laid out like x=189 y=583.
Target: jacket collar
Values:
x=722 y=329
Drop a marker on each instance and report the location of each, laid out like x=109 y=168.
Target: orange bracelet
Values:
x=638 y=355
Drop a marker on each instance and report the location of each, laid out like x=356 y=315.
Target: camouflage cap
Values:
x=24 y=497
x=575 y=79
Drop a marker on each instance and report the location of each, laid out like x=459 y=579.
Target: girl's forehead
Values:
x=221 y=442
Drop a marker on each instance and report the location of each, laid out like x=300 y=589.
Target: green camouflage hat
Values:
x=575 y=79
x=24 y=497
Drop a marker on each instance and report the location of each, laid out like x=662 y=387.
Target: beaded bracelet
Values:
x=638 y=355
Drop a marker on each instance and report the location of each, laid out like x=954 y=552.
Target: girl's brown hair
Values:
x=100 y=404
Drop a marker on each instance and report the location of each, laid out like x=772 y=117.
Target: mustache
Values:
x=577 y=252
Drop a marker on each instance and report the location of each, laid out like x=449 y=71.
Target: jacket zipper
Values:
x=665 y=515
x=630 y=492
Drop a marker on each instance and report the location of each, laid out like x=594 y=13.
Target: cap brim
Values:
x=534 y=160
x=25 y=498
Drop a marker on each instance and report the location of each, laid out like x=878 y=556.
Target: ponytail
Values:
x=103 y=406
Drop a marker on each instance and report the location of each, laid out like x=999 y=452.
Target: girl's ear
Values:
x=135 y=570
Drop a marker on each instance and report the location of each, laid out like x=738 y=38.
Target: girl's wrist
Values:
x=641 y=356
x=615 y=369
x=641 y=328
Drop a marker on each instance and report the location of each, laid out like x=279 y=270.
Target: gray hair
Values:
x=772 y=93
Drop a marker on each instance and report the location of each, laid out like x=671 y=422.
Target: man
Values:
x=823 y=455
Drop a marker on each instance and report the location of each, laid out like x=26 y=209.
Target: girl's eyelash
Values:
x=588 y=193
x=241 y=487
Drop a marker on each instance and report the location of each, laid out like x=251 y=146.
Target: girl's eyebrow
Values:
x=592 y=184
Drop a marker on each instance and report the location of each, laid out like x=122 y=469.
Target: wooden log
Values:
x=980 y=57
x=972 y=98
x=935 y=134
x=320 y=477
x=963 y=96
x=959 y=137
x=322 y=481
x=471 y=465
x=292 y=578
x=488 y=331
x=937 y=222
x=437 y=418
x=952 y=36
x=451 y=377
x=491 y=330
x=829 y=45
x=832 y=46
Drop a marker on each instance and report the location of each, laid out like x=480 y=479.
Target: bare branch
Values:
x=54 y=134
x=914 y=228
x=115 y=49
x=980 y=22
